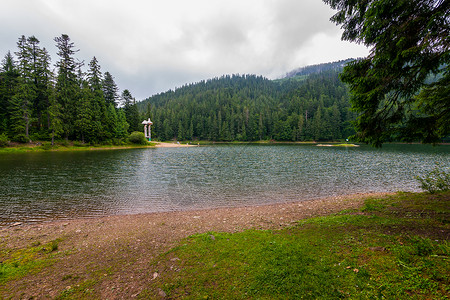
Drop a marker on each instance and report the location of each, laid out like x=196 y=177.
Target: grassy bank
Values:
x=393 y=248
x=70 y=146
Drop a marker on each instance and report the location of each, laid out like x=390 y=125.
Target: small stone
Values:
x=377 y=249
x=155 y=275
x=16 y=224
x=162 y=293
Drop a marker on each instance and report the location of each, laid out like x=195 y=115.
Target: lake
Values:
x=44 y=186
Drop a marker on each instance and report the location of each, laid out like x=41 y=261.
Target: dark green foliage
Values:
x=251 y=108
x=110 y=90
x=390 y=88
x=37 y=104
x=131 y=111
x=137 y=137
x=436 y=180
x=3 y=140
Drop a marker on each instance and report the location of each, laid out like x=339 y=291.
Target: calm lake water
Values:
x=36 y=187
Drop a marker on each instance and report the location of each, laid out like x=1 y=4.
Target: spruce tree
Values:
x=110 y=90
x=98 y=105
x=67 y=84
x=20 y=105
x=55 y=120
x=8 y=82
x=84 y=123
x=409 y=44
x=122 y=125
x=131 y=111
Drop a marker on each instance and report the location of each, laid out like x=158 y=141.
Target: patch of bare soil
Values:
x=109 y=257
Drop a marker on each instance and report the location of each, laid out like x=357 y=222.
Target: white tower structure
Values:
x=147 y=131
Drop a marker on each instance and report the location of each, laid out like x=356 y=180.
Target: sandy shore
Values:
x=172 y=145
x=126 y=245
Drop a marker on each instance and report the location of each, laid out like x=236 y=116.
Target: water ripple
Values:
x=44 y=186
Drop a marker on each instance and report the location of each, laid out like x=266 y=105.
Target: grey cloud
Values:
x=152 y=46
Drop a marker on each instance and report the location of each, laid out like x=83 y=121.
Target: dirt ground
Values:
x=111 y=255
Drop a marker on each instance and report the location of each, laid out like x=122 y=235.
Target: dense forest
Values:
x=37 y=103
x=250 y=108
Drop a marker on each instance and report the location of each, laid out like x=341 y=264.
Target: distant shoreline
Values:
x=74 y=146
x=173 y=145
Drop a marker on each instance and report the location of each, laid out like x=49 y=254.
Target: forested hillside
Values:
x=314 y=69
x=250 y=108
x=37 y=103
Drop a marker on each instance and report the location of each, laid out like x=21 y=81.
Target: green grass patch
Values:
x=17 y=263
x=76 y=146
x=83 y=290
x=394 y=248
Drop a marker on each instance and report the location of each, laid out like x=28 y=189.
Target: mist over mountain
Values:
x=251 y=107
x=312 y=69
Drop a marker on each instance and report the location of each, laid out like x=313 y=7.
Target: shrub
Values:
x=64 y=143
x=137 y=137
x=40 y=136
x=435 y=181
x=20 y=138
x=46 y=146
x=118 y=142
x=80 y=144
x=3 y=140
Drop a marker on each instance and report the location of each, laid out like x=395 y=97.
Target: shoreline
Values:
x=128 y=244
x=40 y=147
x=14 y=224
x=324 y=205
x=171 y=145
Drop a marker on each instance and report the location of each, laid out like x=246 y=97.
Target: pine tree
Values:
x=121 y=130
x=317 y=124
x=39 y=73
x=55 y=118
x=67 y=84
x=110 y=122
x=95 y=75
x=8 y=82
x=180 y=134
x=110 y=90
x=20 y=108
x=131 y=111
x=21 y=103
x=84 y=123
x=44 y=88
x=409 y=42
x=98 y=105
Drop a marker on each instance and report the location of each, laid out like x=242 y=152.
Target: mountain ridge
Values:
x=251 y=107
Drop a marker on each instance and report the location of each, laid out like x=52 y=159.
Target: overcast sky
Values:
x=153 y=46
